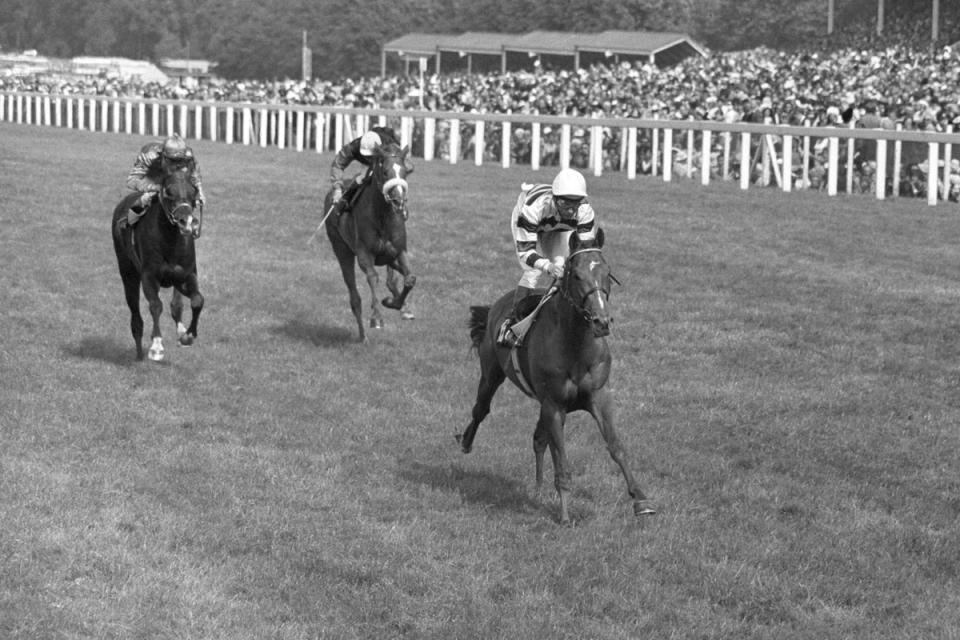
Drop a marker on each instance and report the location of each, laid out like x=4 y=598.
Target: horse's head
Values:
x=586 y=283
x=390 y=169
x=177 y=198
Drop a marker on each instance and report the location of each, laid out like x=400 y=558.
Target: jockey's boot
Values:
x=506 y=337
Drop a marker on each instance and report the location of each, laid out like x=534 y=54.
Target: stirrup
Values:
x=506 y=337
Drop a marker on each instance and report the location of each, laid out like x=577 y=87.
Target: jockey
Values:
x=360 y=150
x=156 y=160
x=541 y=223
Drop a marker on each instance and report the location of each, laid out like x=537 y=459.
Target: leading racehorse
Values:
x=563 y=362
x=158 y=252
x=374 y=233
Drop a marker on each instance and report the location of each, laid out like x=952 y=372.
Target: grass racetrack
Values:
x=785 y=371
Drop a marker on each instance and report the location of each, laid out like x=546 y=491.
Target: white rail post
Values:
x=655 y=150
x=947 y=153
x=631 y=153
x=479 y=142
x=705 y=157
x=787 y=165
x=429 y=135
x=880 y=188
x=667 y=155
x=746 y=162
x=535 y=146
x=198 y=122
x=454 y=141
x=897 y=159
x=565 y=146
x=214 y=122
x=505 y=145
x=833 y=162
x=932 y=158
x=128 y=117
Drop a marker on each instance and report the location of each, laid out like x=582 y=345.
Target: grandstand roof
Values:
x=663 y=48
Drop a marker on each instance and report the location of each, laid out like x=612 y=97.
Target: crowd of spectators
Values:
x=898 y=79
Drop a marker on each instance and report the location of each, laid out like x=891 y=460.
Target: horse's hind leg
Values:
x=601 y=409
x=491 y=377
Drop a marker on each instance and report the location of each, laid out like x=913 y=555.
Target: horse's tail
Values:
x=478 y=324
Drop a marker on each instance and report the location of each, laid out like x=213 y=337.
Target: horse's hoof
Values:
x=156 y=356
x=186 y=340
x=376 y=324
x=407 y=315
x=644 y=508
x=390 y=303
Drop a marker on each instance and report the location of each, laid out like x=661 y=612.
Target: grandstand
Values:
x=548 y=49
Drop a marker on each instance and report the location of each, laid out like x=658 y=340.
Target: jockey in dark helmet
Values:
x=360 y=150
x=542 y=221
x=155 y=161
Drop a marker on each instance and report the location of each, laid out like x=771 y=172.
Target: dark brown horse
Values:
x=563 y=362
x=374 y=233
x=158 y=252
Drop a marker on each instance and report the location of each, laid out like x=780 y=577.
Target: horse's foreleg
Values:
x=151 y=291
x=551 y=423
x=491 y=377
x=131 y=290
x=373 y=281
x=191 y=289
x=176 y=311
x=399 y=297
x=601 y=408
x=541 y=439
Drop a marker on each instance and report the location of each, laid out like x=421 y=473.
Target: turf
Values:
x=785 y=372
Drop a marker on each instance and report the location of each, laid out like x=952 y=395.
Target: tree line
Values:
x=262 y=39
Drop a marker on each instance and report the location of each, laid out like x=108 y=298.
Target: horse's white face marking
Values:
x=397 y=169
x=594 y=264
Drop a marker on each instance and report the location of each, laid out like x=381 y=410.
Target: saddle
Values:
x=529 y=308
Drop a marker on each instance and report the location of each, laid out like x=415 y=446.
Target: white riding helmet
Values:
x=369 y=143
x=569 y=183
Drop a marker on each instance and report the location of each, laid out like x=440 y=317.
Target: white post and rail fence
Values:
x=879 y=162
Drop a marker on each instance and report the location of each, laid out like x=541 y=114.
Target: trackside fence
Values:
x=878 y=162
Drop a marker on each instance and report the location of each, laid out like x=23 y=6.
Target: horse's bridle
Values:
x=399 y=205
x=172 y=213
x=580 y=305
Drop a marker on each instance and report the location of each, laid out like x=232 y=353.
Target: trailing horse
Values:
x=374 y=233
x=563 y=362
x=158 y=252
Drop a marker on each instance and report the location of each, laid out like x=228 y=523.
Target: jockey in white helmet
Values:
x=542 y=221
x=359 y=150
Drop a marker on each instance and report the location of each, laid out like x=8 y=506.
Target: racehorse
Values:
x=563 y=362
x=158 y=252
x=374 y=233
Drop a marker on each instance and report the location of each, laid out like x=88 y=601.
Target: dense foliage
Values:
x=262 y=38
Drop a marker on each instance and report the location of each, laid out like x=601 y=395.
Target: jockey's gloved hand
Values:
x=146 y=198
x=336 y=194
x=549 y=268
x=201 y=199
